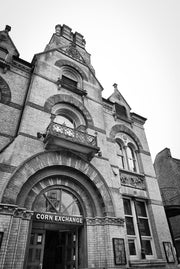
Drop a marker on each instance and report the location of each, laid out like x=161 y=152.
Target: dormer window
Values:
x=120 y=111
x=3 y=53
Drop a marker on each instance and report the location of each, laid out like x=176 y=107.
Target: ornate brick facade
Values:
x=77 y=184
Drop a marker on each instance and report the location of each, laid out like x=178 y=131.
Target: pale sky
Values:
x=135 y=43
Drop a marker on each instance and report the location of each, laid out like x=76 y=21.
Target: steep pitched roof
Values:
x=7 y=43
x=116 y=97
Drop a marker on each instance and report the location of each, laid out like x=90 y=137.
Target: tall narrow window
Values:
x=131 y=159
x=130 y=227
x=120 y=155
x=3 y=53
x=138 y=230
x=144 y=227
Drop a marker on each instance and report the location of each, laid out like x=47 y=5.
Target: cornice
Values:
x=105 y=221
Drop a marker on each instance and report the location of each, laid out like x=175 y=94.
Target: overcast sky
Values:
x=135 y=43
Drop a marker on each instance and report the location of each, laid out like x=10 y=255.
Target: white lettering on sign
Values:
x=58 y=218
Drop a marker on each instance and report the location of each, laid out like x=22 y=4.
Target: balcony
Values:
x=61 y=136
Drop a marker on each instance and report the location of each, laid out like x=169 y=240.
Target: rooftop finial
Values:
x=8 y=28
x=115 y=86
x=58 y=29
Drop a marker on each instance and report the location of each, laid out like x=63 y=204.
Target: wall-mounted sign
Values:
x=47 y=217
x=119 y=251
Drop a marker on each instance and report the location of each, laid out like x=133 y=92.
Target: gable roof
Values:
x=7 y=43
x=116 y=97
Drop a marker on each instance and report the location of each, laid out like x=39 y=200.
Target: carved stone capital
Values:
x=15 y=211
x=105 y=221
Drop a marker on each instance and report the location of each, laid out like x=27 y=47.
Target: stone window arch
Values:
x=77 y=110
x=32 y=178
x=68 y=115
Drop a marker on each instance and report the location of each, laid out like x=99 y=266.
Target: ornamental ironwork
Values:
x=63 y=131
x=134 y=181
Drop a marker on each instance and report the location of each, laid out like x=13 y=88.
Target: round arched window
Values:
x=59 y=201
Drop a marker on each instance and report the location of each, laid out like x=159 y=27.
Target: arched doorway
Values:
x=56 y=173
x=60 y=198
x=57 y=236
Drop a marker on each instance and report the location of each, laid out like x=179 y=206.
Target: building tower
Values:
x=168 y=173
x=78 y=188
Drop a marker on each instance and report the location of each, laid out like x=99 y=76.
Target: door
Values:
x=53 y=249
x=60 y=251
x=36 y=249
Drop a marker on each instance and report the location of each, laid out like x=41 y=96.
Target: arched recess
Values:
x=5 y=93
x=64 y=98
x=62 y=62
x=62 y=168
x=122 y=128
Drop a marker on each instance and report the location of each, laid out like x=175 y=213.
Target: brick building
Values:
x=168 y=174
x=77 y=183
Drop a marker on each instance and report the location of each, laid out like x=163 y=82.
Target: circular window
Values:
x=58 y=201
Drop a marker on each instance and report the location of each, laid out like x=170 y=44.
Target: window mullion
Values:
x=126 y=157
x=139 y=231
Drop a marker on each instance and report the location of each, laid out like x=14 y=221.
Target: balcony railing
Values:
x=74 y=135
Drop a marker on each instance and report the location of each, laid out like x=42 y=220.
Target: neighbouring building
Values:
x=77 y=184
x=168 y=174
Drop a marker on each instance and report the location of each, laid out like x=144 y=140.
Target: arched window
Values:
x=58 y=200
x=120 y=154
x=126 y=151
x=71 y=78
x=68 y=115
x=64 y=121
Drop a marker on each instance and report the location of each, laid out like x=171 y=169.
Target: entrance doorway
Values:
x=59 y=250
x=53 y=249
